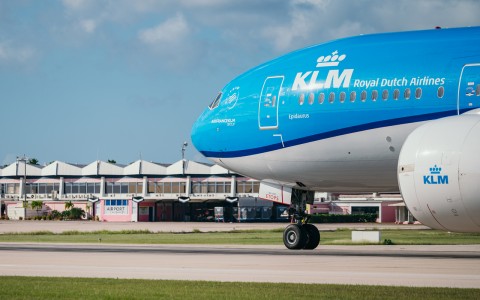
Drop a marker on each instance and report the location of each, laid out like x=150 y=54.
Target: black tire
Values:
x=313 y=236
x=294 y=237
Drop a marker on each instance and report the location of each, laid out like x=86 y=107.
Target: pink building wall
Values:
x=143 y=215
x=124 y=216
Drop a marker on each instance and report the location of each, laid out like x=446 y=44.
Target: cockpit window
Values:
x=216 y=102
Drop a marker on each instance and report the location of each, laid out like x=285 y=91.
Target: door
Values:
x=469 y=88
x=151 y=214
x=269 y=102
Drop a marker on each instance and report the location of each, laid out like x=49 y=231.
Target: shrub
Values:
x=388 y=242
x=65 y=215
x=76 y=213
x=332 y=218
x=55 y=215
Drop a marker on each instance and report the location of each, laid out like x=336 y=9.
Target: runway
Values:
x=436 y=266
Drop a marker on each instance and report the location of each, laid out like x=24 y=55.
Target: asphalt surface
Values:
x=436 y=266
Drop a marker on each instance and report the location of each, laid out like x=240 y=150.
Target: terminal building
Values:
x=146 y=191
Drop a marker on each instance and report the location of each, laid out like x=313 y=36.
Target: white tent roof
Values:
x=101 y=168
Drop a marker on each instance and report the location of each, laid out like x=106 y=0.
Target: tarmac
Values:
x=392 y=265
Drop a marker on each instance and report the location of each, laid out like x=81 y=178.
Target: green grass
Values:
x=247 y=237
x=99 y=288
x=406 y=237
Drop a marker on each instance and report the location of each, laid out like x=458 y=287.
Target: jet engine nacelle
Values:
x=439 y=173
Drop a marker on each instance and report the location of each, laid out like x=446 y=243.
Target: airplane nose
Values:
x=196 y=135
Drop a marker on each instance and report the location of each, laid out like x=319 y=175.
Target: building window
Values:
x=82 y=188
x=12 y=188
x=42 y=188
x=93 y=187
x=75 y=188
x=32 y=188
x=116 y=188
x=248 y=187
x=117 y=202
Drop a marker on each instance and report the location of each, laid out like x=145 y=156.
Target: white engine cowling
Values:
x=439 y=173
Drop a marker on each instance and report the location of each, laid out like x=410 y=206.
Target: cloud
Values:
x=88 y=25
x=171 y=31
x=12 y=54
x=76 y=4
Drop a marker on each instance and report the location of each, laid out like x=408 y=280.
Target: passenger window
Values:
x=216 y=101
x=396 y=94
x=321 y=98
x=418 y=93
x=440 y=92
x=342 y=97
x=311 y=98
x=353 y=96
x=363 y=96
x=331 y=97
x=406 y=94
x=477 y=92
x=374 y=95
x=385 y=95
x=301 y=99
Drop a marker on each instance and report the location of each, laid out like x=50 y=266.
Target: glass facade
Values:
x=244 y=187
x=212 y=187
x=136 y=188
x=42 y=188
x=167 y=187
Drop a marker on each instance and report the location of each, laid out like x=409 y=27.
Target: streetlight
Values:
x=24 y=159
x=184 y=147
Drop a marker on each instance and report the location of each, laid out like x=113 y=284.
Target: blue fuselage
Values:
x=289 y=112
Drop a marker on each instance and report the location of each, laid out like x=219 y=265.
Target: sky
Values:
x=86 y=80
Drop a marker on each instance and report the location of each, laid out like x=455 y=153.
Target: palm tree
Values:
x=33 y=161
x=68 y=205
x=37 y=205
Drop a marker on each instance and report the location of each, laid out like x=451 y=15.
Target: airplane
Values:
x=389 y=112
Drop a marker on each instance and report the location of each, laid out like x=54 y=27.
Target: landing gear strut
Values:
x=300 y=234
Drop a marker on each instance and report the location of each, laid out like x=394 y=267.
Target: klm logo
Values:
x=330 y=60
x=318 y=80
x=435 y=177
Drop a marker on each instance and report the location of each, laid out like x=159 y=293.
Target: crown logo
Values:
x=330 y=60
x=435 y=170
